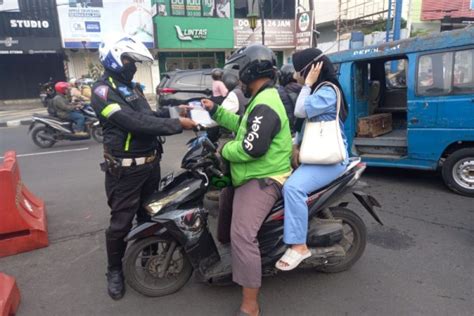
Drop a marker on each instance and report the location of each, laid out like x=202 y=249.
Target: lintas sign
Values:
x=190 y=34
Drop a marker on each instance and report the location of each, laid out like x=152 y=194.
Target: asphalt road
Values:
x=419 y=263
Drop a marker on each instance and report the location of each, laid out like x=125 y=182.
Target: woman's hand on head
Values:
x=313 y=74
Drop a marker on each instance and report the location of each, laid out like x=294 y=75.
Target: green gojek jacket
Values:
x=262 y=146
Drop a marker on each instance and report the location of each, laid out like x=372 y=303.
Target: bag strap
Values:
x=338 y=94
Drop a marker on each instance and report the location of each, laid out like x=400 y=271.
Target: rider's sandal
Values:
x=291 y=259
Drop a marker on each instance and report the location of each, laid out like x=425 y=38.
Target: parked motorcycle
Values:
x=46 y=130
x=164 y=252
x=47 y=92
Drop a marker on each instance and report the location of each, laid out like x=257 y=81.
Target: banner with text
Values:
x=84 y=24
x=278 y=33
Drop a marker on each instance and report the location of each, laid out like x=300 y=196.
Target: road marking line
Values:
x=50 y=152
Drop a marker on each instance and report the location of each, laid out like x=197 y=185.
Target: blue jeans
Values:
x=306 y=179
x=78 y=119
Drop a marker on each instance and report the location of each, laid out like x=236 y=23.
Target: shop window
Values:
x=435 y=74
x=188 y=61
x=276 y=9
x=196 y=8
x=463 y=81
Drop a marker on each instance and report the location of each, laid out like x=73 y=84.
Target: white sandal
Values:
x=292 y=258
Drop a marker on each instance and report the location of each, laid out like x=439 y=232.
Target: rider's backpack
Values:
x=51 y=108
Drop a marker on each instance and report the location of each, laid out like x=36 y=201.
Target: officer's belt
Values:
x=128 y=162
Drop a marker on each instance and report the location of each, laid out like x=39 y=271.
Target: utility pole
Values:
x=338 y=25
x=262 y=3
x=398 y=20
x=388 y=28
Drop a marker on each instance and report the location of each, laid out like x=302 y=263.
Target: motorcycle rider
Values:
x=67 y=111
x=235 y=101
x=259 y=161
x=76 y=94
x=132 y=150
x=289 y=90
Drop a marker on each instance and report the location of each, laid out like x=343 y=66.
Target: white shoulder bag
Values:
x=322 y=141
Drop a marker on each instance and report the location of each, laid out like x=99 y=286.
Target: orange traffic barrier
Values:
x=9 y=295
x=22 y=215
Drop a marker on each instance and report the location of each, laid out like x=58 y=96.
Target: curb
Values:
x=15 y=123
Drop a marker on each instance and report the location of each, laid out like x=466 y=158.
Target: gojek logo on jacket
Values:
x=253 y=134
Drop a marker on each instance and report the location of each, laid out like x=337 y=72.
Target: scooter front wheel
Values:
x=155 y=266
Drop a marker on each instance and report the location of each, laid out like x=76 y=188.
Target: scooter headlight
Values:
x=155 y=207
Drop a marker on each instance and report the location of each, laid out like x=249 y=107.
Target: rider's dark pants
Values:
x=78 y=119
x=126 y=192
x=251 y=205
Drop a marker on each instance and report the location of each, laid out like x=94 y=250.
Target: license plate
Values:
x=165 y=181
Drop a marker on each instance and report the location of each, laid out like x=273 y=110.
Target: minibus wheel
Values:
x=458 y=171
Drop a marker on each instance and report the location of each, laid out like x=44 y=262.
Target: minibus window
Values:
x=463 y=71
x=435 y=74
x=395 y=74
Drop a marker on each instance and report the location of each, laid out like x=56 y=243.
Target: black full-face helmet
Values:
x=253 y=62
x=230 y=79
x=286 y=74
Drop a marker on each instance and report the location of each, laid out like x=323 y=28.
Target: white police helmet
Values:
x=111 y=52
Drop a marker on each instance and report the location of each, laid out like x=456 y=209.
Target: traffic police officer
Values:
x=132 y=150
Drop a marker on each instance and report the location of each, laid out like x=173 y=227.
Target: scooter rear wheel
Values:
x=39 y=140
x=354 y=241
x=144 y=271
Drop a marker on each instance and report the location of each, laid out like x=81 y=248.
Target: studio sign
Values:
x=29 y=24
x=190 y=34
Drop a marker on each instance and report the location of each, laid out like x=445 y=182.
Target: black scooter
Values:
x=165 y=251
x=46 y=130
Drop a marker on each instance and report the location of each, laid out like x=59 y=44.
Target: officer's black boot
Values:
x=115 y=280
x=115 y=283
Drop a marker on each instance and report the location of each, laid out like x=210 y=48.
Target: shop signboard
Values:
x=178 y=8
x=206 y=24
x=28 y=27
x=193 y=7
x=84 y=24
x=304 y=30
x=278 y=33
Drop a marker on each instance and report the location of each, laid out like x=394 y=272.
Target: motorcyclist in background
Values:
x=76 y=93
x=67 y=111
x=289 y=90
x=235 y=101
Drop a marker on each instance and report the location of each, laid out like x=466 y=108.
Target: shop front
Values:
x=193 y=34
x=279 y=36
x=84 y=25
x=30 y=49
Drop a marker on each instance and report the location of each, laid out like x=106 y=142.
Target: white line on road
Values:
x=50 y=152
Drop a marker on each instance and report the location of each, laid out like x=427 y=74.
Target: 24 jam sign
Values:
x=304 y=30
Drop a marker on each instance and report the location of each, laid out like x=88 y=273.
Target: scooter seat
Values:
x=49 y=117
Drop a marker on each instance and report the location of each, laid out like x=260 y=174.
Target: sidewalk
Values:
x=19 y=117
x=19 y=112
